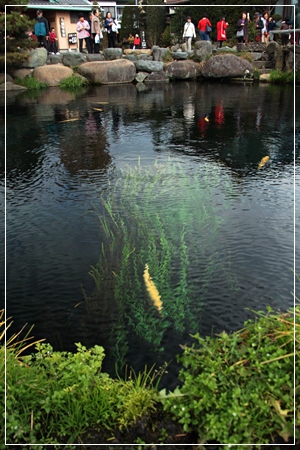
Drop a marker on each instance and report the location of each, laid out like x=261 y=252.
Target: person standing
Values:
x=258 y=26
x=91 y=42
x=242 y=28
x=285 y=36
x=221 y=33
x=82 y=29
x=109 y=26
x=265 y=37
x=204 y=27
x=189 y=33
x=53 y=40
x=136 y=42
x=96 y=31
x=41 y=30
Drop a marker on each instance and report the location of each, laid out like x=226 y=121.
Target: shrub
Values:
x=31 y=83
x=279 y=77
x=73 y=82
x=238 y=388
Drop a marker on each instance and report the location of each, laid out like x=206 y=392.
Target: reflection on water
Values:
x=216 y=231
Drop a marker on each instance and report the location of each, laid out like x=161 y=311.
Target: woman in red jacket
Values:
x=202 y=26
x=221 y=33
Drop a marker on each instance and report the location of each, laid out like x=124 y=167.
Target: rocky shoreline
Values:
x=114 y=66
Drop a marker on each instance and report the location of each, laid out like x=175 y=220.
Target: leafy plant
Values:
x=73 y=82
x=31 y=83
x=279 y=77
x=238 y=388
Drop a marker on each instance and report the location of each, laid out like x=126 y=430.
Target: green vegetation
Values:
x=31 y=83
x=156 y=22
x=17 y=41
x=279 y=77
x=73 y=82
x=54 y=397
x=151 y=217
x=239 y=388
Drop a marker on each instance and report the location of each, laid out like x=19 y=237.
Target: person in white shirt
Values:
x=188 y=33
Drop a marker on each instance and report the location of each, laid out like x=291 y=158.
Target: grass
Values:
x=73 y=82
x=137 y=233
x=31 y=83
x=279 y=77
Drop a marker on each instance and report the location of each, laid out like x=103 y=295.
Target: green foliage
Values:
x=279 y=77
x=168 y=57
x=17 y=41
x=162 y=238
x=155 y=22
x=129 y=20
x=166 y=38
x=73 y=82
x=238 y=388
x=31 y=83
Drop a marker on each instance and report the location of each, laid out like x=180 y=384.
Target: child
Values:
x=52 y=40
x=136 y=42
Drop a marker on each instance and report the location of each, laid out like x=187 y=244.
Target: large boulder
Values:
x=226 y=66
x=157 y=77
x=22 y=73
x=144 y=58
x=10 y=86
x=149 y=66
x=94 y=57
x=179 y=55
x=183 y=70
x=112 y=53
x=140 y=76
x=36 y=57
x=159 y=53
x=108 y=72
x=73 y=59
x=142 y=51
x=52 y=75
x=203 y=49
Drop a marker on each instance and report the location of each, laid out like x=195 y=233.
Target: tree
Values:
x=129 y=19
x=155 y=22
x=17 y=24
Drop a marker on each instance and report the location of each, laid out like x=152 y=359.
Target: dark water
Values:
x=167 y=171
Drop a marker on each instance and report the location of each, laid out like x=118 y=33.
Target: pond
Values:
x=136 y=218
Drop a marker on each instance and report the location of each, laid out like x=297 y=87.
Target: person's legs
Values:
x=221 y=43
x=80 y=45
x=88 y=44
x=206 y=37
x=113 y=39
x=189 y=44
x=202 y=35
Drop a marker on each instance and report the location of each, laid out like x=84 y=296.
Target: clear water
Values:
x=167 y=172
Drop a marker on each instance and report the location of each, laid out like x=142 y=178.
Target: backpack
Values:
x=40 y=28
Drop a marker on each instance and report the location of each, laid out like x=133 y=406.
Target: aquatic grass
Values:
x=137 y=231
x=280 y=77
x=31 y=83
x=73 y=82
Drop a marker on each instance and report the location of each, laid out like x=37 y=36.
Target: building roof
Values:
x=59 y=4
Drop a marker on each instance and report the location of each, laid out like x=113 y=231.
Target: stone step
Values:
x=263 y=64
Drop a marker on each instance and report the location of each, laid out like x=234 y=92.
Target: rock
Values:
x=36 y=57
x=140 y=76
x=203 y=49
x=130 y=57
x=158 y=77
x=22 y=73
x=94 y=57
x=144 y=58
x=226 y=66
x=264 y=77
x=149 y=66
x=279 y=57
x=52 y=75
x=10 y=86
x=145 y=51
x=271 y=49
x=111 y=54
x=225 y=49
x=159 y=53
x=8 y=77
x=108 y=72
x=175 y=48
x=183 y=70
x=72 y=59
x=256 y=56
x=54 y=59
x=179 y=55
x=251 y=47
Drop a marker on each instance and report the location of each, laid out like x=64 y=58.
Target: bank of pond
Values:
x=246 y=62
x=235 y=388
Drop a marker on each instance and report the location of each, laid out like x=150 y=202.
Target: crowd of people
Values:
x=264 y=25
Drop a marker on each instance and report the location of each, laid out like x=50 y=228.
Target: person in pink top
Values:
x=82 y=28
x=203 y=25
